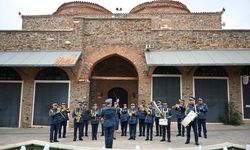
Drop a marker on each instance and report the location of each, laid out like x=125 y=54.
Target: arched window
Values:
x=7 y=73
x=216 y=71
x=166 y=70
x=52 y=74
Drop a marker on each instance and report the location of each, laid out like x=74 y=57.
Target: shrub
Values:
x=232 y=116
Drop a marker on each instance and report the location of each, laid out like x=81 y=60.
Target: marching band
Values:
x=188 y=116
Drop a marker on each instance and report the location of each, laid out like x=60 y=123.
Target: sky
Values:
x=236 y=16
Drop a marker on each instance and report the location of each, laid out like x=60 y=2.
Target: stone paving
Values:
x=217 y=134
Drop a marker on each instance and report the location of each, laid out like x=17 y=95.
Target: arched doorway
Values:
x=10 y=97
x=211 y=83
x=119 y=93
x=51 y=86
x=113 y=74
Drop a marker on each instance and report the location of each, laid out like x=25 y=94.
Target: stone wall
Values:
x=179 y=21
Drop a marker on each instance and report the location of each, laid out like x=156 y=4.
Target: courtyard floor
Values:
x=217 y=134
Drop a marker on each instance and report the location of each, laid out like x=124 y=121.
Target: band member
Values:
x=157 y=117
x=167 y=114
x=65 y=118
x=191 y=107
x=102 y=119
x=108 y=112
x=94 y=121
x=77 y=115
x=54 y=115
x=133 y=117
x=149 y=121
x=180 y=115
x=124 y=120
x=202 y=116
x=142 y=114
x=117 y=116
x=85 y=118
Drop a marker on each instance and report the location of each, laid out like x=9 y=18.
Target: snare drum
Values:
x=163 y=122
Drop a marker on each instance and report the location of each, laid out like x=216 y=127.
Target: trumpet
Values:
x=149 y=111
x=176 y=106
x=131 y=113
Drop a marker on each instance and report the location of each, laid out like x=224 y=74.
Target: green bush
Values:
x=232 y=116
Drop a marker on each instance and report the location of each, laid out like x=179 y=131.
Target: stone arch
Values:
x=53 y=73
x=8 y=73
x=217 y=71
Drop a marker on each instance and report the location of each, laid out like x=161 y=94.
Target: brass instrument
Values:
x=131 y=112
x=148 y=110
x=78 y=116
x=176 y=106
x=157 y=109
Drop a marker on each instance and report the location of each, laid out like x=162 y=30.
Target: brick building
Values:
x=158 y=51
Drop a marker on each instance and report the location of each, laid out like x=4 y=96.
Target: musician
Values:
x=108 y=112
x=142 y=115
x=202 y=116
x=149 y=121
x=180 y=115
x=65 y=118
x=85 y=118
x=94 y=121
x=117 y=116
x=78 y=121
x=54 y=115
x=102 y=119
x=167 y=114
x=191 y=107
x=157 y=117
x=133 y=119
x=124 y=120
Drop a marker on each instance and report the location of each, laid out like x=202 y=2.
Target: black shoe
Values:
x=64 y=136
x=146 y=139
x=130 y=138
x=56 y=141
x=102 y=134
x=157 y=135
x=151 y=139
x=74 y=139
x=199 y=135
x=196 y=143
x=162 y=140
x=59 y=136
x=169 y=141
x=51 y=141
x=143 y=135
x=178 y=135
x=114 y=138
x=80 y=139
x=187 y=142
x=183 y=135
x=140 y=135
x=205 y=136
x=86 y=134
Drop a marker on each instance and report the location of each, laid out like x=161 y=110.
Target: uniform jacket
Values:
x=150 y=117
x=55 y=118
x=189 y=108
x=94 y=116
x=109 y=116
x=202 y=110
x=134 y=118
x=86 y=114
x=64 y=114
x=124 y=114
x=180 y=112
x=142 y=114
x=167 y=113
x=74 y=114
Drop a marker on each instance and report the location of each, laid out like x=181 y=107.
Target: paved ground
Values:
x=217 y=134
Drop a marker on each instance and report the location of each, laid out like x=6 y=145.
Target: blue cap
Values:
x=109 y=100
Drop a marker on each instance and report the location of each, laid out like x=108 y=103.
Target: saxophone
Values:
x=78 y=116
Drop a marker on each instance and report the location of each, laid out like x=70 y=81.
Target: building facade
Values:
x=158 y=51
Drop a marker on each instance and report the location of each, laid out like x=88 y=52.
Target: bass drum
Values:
x=190 y=117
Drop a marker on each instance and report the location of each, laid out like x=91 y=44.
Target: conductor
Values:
x=108 y=113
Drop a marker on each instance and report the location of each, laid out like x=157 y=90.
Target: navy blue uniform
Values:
x=180 y=115
x=149 y=122
x=78 y=121
x=157 y=126
x=117 y=117
x=102 y=121
x=54 y=124
x=85 y=118
x=167 y=113
x=109 y=123
x=94 y=122
x=124 y=121
x=63 y=124
x=142 y=115
x=133 y=119
x=202 y=116
x=193 y=124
